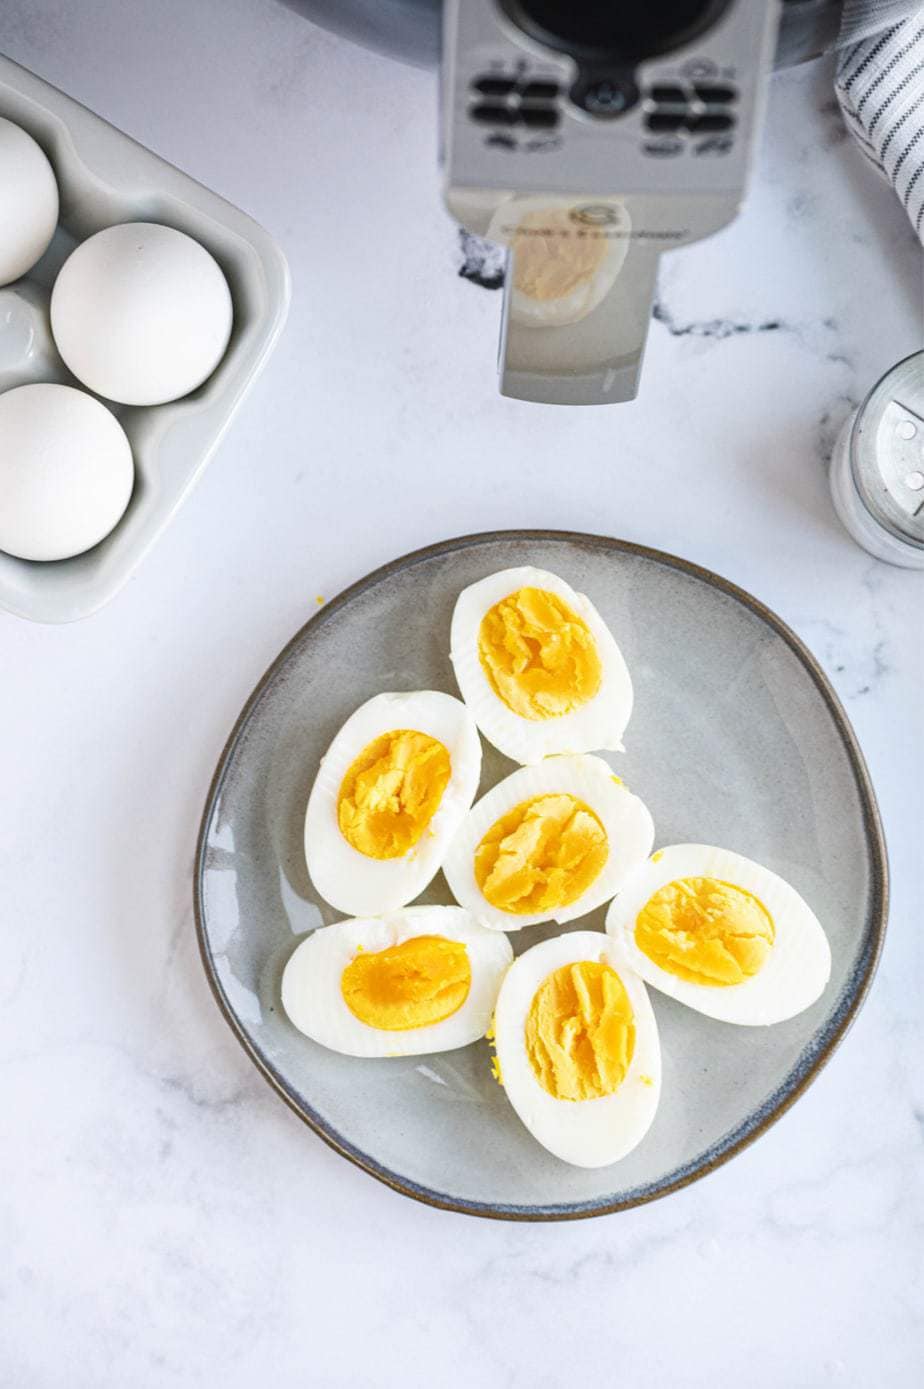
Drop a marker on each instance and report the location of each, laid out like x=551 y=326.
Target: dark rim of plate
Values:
x=813 y=1058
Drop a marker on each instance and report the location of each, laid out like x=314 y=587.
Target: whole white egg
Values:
x=538 y=666
x=66 y=471
x=141 y=313
x=548 y=843
x=420 y=980
x=578 y=1050
x=390 y=793
x=28 y=202
x=722 y=934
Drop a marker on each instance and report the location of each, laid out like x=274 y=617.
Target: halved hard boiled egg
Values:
x=549 y=843
x=721 y=934
x=391 y=791
x=578 y=1049
x=565 y=256
x=420 y=980
x=538 y=667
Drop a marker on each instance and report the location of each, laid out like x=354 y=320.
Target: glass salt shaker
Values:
x=877 y=468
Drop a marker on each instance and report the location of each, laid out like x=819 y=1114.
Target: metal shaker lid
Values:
x=887 y=451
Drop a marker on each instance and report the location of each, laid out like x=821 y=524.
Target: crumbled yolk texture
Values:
x=705 y=931
x=415 y=984
x=538 y=655
x=542 y=855
x=550 y=261
x=391 y=792
x=580 y=1032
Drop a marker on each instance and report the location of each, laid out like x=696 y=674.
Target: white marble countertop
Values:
x=165 y=1219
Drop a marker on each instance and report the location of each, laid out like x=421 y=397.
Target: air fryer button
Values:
x=500 y=140
x=714 y=145
x=539 y=117
x=662 y=121
x=539 y=91
x=701 y=125
x=494 y=86
x=665 y=147
x=668 y=96
x=715 y=96
x=606 y=96
x=494 y=115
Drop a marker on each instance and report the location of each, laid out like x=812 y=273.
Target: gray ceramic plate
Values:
x=737 y=739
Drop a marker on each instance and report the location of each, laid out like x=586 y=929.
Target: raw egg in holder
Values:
x=66 y=471
x=141 y=313
x=28 y=202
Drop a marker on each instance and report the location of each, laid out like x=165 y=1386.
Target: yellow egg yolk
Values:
x=705 y=931
x=391 y=792
x=542 y=855
x=580 y=1032
x=538 y=655
x=415 y=984
x=550 y=261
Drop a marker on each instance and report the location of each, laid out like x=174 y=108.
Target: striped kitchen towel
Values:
x=880 y=86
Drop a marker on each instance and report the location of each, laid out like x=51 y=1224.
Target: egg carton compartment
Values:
x=104 y=177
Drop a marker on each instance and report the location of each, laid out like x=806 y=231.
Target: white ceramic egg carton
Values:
x=104 y=177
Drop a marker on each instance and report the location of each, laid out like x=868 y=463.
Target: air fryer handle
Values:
x=595 y=361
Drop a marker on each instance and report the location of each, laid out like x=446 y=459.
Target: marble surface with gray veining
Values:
x=164 y=1219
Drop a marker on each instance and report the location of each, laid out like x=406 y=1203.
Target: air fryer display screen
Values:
x=615 y=28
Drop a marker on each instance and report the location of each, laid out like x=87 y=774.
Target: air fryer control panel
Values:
x=606 y=98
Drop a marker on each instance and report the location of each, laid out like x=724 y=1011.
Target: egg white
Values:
x=796 y=970
x=352 y=882
x=628 y=825
x=596 y=726
x=313 y=998
x=581 y=301
x=585 y=1133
